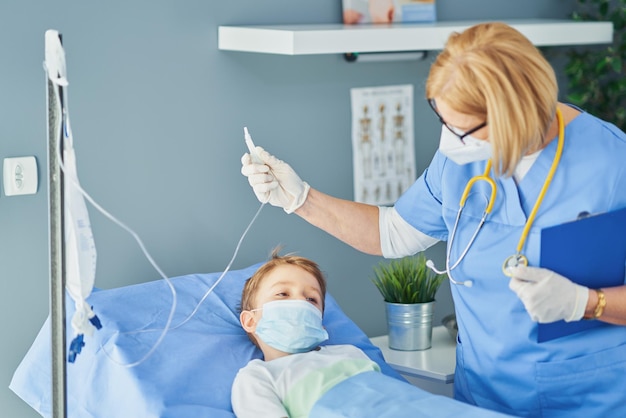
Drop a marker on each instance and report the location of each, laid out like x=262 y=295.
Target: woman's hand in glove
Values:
x=274 y=181
x=548 y=296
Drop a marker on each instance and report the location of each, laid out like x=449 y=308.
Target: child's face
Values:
x=289 y=282
x=284 y=283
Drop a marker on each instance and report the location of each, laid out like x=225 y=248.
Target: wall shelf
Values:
x=340 y=39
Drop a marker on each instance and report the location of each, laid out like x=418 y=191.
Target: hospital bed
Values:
x=191 y=372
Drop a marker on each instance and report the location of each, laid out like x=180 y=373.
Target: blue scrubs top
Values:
x=500 y=365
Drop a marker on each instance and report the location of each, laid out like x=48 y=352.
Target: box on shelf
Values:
x=388 y=11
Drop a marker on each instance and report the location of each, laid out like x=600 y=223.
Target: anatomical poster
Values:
x=382 y=143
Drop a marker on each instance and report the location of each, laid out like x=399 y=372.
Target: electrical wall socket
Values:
x=20 y=176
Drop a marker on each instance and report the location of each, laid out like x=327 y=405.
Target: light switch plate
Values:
x=20 y=176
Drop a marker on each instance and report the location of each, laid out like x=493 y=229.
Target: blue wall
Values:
x=157 y=115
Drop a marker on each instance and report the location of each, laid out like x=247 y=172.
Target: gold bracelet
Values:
x=597 y=313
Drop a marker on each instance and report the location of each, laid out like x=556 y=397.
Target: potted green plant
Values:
x=408 y=287
x=597 y=74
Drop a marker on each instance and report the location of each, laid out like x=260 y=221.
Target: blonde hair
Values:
x=251 y=286
x=495 y=73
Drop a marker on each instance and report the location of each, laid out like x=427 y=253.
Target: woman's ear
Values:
x=248 y=321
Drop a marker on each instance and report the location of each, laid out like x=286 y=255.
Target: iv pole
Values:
x=57 y=256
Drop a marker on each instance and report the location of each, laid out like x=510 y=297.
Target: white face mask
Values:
x=473 y=150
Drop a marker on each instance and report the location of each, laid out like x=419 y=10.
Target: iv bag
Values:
x=80 y=248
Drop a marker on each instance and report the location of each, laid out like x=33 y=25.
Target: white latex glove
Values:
x=548 y=296
x=274 y=181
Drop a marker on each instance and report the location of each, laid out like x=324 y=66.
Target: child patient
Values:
x=281 y=310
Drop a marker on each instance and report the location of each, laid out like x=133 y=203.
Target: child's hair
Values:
x=252 y=284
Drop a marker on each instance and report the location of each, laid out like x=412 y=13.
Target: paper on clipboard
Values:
x=589 y=251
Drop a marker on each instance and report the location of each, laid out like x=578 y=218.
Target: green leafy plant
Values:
x=597 y=75
x=407 y=280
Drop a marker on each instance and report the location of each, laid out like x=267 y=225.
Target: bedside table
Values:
x=432 y=369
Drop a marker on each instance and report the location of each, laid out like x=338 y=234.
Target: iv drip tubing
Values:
x=112 y=218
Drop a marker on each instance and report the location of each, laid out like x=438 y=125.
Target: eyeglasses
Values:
x=460 y=134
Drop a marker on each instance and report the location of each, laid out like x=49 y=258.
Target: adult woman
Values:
x=496 y=97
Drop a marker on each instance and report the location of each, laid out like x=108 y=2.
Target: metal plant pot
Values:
x=410 y=326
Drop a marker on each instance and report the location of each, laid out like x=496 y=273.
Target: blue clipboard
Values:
x=590 y=251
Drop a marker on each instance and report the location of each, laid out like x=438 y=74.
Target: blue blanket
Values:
x=375 y=395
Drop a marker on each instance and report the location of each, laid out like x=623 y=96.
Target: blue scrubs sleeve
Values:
x=421 y=204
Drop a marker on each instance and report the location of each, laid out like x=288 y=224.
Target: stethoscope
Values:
x=518 y=258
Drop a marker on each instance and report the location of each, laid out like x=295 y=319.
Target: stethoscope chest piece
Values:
x=513 y=261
